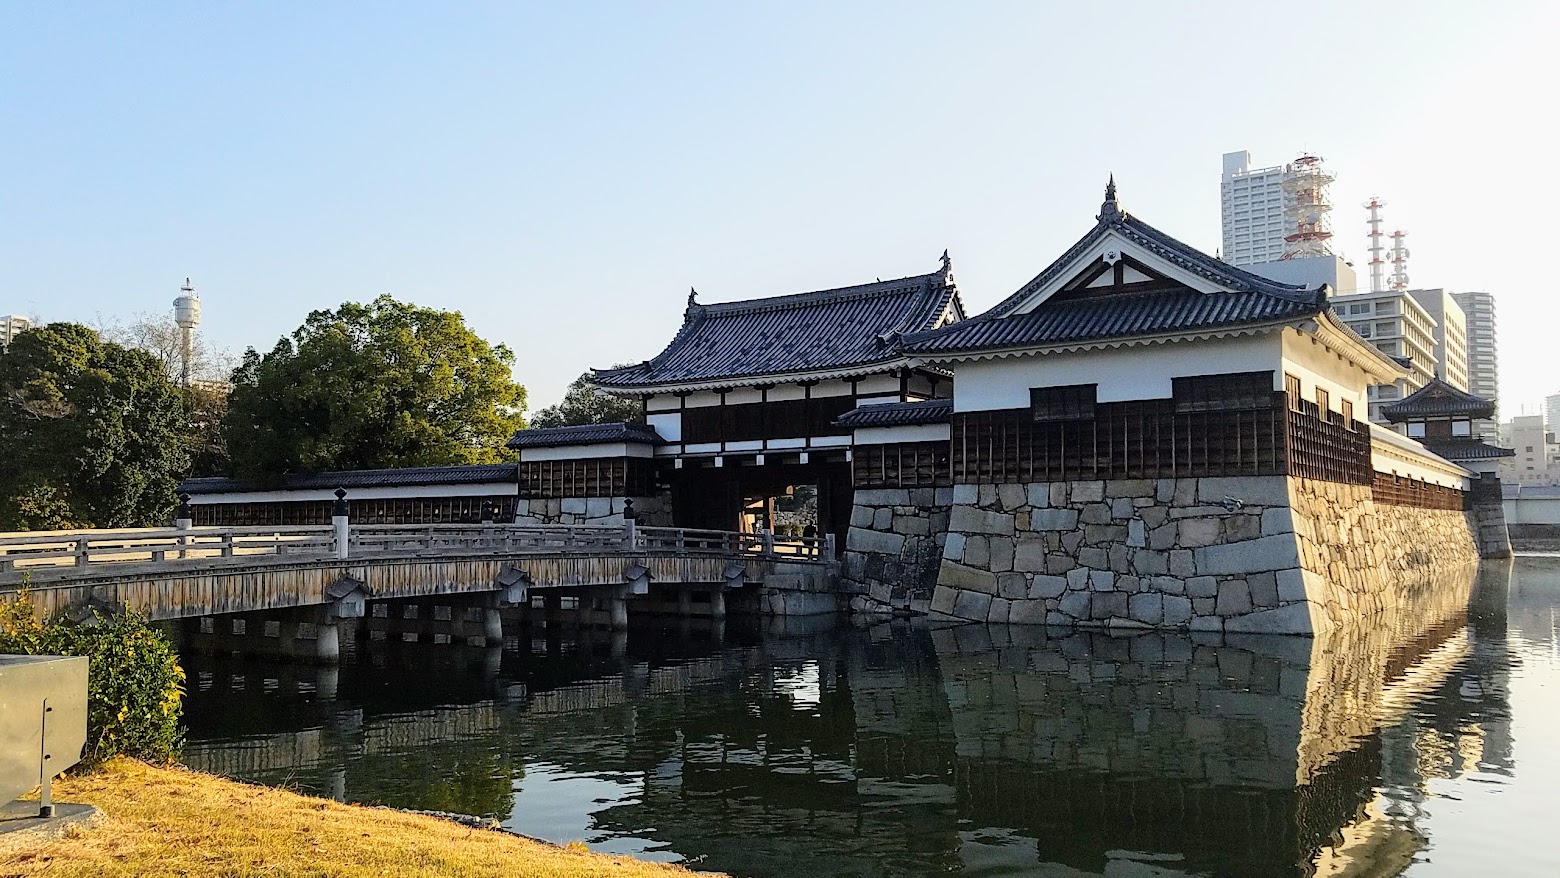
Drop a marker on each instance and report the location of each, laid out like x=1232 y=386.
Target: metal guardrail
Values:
x=67 y=553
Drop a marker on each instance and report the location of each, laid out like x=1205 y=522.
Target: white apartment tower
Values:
x=1451 y=335
x=1252 y=203
x=1483 y=376
x=1398 y=326
x=11 y=326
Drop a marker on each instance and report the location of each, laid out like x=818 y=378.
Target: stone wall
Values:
x=895 y=548
x=1208 y=554
x=1361 y=559
x=600 y=511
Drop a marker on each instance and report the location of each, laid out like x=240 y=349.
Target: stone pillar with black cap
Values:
x=340 y=524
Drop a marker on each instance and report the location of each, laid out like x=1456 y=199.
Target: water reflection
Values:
x=914 y=750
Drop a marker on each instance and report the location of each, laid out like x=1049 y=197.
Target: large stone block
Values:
x=977 y=551
x=962 y=577
x=1150 y=563
x=912 y=525
x=1176 y=609
x=1291 y=619
x=573 y=506
x=1106 y=605
x=998 y=613
x=972 y=605
x=968 y=519
x=1198 y=532
x=1012 y=585
x=862 y=540
x=1234 y=598
x=1045 y=587
x=1121 y=508
x=1001 y=554
x=942 y=599
x=1250 y=490
x=861 y=516
x=1102 y=580
x=882 y=497
x=1027 y=613
x=968 y=495
x=1087 y=492
x=1129 y=488
x=953 y=547
x=883 y=519
x=1251 y=556
x=1075 y=604
x=1053 y=519
x=1078 y=578
x=1291 y=585
x=1147 y=608
x=1038 y=494
x=1012 y=497
x=1242 y=527
x=1202 y=587
x=1264 y=590
x=1029 y=554
x=1094 y=557
x=1278 y=520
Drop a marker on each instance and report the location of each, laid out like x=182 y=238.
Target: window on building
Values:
x=1462 y=428
x=1074 y=402
x=1348 y=413
x=1529 y=448
x=1416 y=430
x=1228 y=392
x=1323 y=402
x=1292 y=390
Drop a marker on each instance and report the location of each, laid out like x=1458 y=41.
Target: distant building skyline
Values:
x=1451 y=335
x=1399 y=327
x=10 y=326
x=1483 y=355
x=1251 y=205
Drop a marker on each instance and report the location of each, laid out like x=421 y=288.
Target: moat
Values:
x=770 y=748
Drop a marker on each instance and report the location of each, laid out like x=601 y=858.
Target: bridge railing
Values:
x=79 y=549
x=370 y=539
x=692 y=541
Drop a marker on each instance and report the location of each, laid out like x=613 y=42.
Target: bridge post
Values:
x=718 y=602
x=630 y=524
x=617 y=606
x=492 y=626
x=340 y=521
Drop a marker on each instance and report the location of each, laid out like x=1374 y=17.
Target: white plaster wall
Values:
x=477 y=489
x=663 y=403
x=1136 y=372
x=576 y=452
x=878 y=384
x=1532 y=510
x=784 y=392
x=916 y=433
x=1388 y=453
x=1316 y=365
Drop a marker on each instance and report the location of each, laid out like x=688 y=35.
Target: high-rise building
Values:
x=1399 y=327
x=1252 y=203
x=1451 y=335
x=1537 y=461
x=10 y=326
x=1552 y=412
x=1483 y=376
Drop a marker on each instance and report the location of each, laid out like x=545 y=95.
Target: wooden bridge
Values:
x=335 y=571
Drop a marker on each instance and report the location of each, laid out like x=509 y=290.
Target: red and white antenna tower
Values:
x=1306 y=208
x=1399 y=255
x=1377 y=264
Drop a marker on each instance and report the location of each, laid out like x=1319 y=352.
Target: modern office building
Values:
x=1451 y=335
x=1483 y=374
x=1552 y=412
x=1398 y=326
x=10 y=326
x=1252 y=203
x=1537 y=459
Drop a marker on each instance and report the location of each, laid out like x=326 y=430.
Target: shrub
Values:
x=135 y=687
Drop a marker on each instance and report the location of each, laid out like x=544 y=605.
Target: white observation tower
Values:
x=186 y=313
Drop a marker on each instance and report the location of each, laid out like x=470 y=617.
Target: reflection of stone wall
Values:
x=894 y=547
x=1362 y=559
x=602 y=511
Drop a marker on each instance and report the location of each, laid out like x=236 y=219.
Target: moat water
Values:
x=1423 y=747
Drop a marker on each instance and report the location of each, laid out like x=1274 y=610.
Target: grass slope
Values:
x=173 y=821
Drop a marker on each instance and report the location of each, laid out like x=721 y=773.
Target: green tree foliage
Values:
x=583 y=404
x=135 y=687
x=385 y=384
x=94 y=434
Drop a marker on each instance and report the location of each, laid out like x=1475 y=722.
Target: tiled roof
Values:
x=585 y=434
x=897 y=414
x=852 y=329
x=363 y=478
x=1513 y=491
x=1467 y=449
x=1438 y=399
x=1244 y=299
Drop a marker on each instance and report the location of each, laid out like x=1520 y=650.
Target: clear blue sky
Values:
x=562 y=174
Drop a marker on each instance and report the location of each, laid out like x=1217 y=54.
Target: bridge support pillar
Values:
x=327 y=642
x=617 y=607
x=493 y=626
x=684 y=602
x=718 y=603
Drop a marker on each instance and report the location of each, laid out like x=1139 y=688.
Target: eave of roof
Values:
x=1438 y=398
x=368 y=478
x=586 y=434
x=1467 y=449
x=897 y=414
x=831 y=333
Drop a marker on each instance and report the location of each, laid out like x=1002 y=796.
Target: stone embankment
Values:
x=1264 y=554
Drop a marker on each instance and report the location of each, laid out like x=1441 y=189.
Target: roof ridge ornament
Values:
x=946 y=272
x=1109 y=209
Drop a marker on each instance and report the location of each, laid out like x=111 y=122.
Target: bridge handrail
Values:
x=498 y=537
x=85 y=548
x=691 y=540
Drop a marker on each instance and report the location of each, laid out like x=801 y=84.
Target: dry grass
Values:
x=172 y=821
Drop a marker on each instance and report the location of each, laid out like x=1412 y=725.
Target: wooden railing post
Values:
x=769 y=541
x=828 y=546
x=82 y=558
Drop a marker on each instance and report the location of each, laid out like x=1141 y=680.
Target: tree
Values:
x=205 y=397
x=386 y=384
x=583 y=404
x=94 y=433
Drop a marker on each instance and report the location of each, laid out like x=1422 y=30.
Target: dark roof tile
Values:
x=843 y=329
x=585 y=434
x=1438 y=399
x=897 y=414
x=1466 y=449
